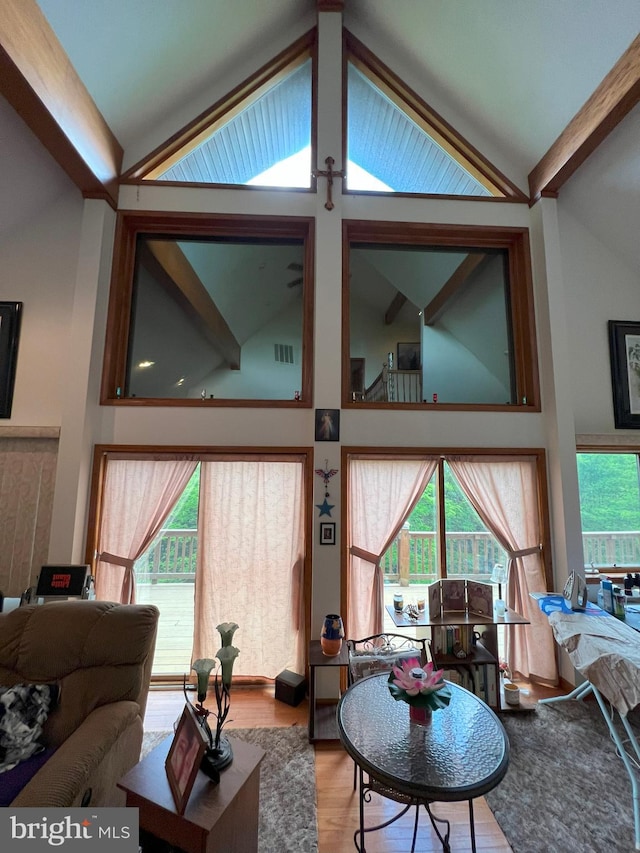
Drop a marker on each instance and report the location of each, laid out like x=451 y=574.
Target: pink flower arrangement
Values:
x=419 y=686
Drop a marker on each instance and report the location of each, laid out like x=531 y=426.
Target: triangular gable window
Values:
x=394 y=136
x=265 y=121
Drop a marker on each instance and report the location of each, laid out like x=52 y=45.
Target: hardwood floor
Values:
x=337 y=802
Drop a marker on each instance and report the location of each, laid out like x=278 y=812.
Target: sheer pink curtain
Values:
x=138 y=496
x=382 y=493
x=504 y=492
x=250 y=563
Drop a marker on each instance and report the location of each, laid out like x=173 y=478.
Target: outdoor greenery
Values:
x=609 y=491
x=609 y=498
x=185 y=513
x=459 y=514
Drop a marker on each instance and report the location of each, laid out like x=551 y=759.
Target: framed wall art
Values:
x=408 y=356
x=327 y=424
x=10 y=316
x=624 y=344
x=327 y=533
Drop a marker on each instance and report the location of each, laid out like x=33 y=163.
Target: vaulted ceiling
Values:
x=509 y=75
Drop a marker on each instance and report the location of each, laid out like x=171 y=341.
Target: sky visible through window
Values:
x=295 y=171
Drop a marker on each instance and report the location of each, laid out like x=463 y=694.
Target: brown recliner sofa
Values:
x=100 y=656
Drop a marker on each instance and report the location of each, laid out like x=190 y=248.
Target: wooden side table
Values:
x=218 y=818
x=322 y=718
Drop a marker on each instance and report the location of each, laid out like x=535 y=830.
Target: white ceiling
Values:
x=507 y=74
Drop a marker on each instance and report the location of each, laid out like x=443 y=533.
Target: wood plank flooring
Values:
x=337 y=802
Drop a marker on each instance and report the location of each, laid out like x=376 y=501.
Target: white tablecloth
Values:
x=606 y=651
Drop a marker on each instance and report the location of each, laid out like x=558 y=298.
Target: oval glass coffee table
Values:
x=462 y=753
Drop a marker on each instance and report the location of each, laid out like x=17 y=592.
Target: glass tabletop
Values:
x=462 y=753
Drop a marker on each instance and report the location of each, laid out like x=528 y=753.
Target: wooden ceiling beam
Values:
x=39 y=81
x=394 y=308
x=614 y=98
x=166 y=261
x=451 y=288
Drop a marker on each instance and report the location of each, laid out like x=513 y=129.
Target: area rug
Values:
x=565 y=789
x=288 y=821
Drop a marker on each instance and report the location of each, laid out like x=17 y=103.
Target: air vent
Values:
x=283 y=353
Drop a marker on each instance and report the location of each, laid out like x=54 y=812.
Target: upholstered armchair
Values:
x=99 y=654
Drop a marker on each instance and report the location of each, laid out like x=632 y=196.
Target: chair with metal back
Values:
x=380 y=653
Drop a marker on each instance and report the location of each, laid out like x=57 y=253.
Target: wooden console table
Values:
x=218 y=818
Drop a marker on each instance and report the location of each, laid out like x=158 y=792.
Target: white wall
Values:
x=599 y=287
x=39 y=241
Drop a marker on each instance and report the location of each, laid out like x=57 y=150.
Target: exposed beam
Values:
x=614 y=98
x=394 y=308
x=166 y=260
x=451 y=288
x=40 y=83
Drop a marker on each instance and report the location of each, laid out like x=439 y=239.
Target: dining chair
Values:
x=380 y=653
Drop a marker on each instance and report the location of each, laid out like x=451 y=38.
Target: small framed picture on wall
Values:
x=327 y=533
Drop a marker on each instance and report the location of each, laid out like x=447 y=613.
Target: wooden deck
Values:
x=175 y=628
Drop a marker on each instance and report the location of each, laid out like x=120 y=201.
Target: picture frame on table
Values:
x=10 y=318
x=184 y=757
x=624 y=346
x=408 y=356
x=327 y=533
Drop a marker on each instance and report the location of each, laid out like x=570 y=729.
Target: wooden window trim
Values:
x=185 y=140
x=426 y=118
x=515 y=241
x=129 y=224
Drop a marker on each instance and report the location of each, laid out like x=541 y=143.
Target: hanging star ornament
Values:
x=325 y=508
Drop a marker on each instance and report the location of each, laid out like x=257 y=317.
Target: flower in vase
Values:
x=419 y=686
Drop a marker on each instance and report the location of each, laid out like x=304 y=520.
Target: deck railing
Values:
x=172 y=557
x=412 y=557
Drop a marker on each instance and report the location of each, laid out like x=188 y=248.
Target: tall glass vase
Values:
x=332 y=635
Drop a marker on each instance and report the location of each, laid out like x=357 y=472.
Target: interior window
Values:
x=610 y=509
x=436 y=323
x=214 y=317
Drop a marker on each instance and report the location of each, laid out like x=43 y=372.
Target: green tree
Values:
x=185 y=512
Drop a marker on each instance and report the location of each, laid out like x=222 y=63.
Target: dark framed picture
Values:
x=624 y=344
x=408 y=356
x=327 y=424
x=184 y=757
x=327 y=533
x=10 y=316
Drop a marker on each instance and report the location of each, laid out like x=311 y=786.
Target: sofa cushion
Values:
x=24 y=709
x=13 y=781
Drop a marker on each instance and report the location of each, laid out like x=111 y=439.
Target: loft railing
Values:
x=395 y=386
